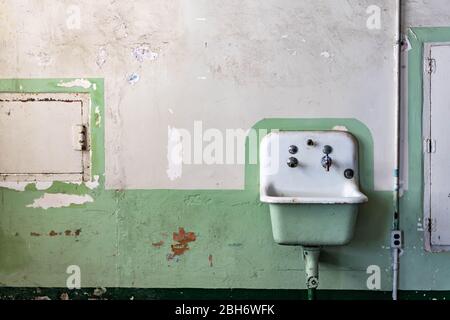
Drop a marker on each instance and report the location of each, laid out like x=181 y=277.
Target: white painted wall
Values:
x=426 y=13
x=227 y=63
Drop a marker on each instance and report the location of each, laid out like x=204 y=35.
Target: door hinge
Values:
x=430 y=145
x=79 y=140
x=431 y=65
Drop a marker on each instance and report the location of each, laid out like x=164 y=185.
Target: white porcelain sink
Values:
x=310 y=180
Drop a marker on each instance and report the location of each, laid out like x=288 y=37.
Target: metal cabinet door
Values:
x=40 y=137
x=437 y=142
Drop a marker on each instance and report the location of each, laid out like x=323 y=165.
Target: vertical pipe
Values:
x=312 y=294
x=396 y=217
x=311 y=258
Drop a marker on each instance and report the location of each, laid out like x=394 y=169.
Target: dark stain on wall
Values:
x=53 y=233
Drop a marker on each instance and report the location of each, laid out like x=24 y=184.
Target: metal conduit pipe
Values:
x=396 y=217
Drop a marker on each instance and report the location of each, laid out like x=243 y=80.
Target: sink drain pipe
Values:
x=311 y=258
x=395 y=235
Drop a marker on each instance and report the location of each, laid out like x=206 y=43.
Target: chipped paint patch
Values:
x=82 y=83
x=340 y=128
x=14 y=185
x=174 y=154
x=143 y=52
x=325 y=54
x=406 y=45
x=59 y=200
x=43 y=185
x=101 y=57
x=133 y=78
x=94 y=183
x=98 y=117
x=181 y=245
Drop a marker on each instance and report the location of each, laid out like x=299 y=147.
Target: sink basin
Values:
x=310 y=180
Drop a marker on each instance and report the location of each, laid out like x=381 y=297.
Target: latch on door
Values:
x=79 y=139
x=430 y=145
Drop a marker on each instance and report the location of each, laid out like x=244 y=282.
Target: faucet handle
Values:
x=327 y=149
x=292 y=162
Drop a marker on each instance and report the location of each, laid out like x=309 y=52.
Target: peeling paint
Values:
x=182 y=240
x=43 y=185
x=340 y=128
x=133 y=78
x=83 y=83
x=14 y=185
x=406 y=45
x=325 y=54
x=143 y=52
x=101 y=57
x=59 y=200
x=98 y=117
x=94 y=183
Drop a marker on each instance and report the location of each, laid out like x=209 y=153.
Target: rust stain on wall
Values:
x=210 y=260
x=182 y=240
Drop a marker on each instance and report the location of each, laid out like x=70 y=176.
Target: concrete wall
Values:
x=229 y=65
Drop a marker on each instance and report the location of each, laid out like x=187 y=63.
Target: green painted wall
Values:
x=126 y=235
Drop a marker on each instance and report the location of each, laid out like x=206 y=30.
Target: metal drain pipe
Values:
x=311 y=257
x=395 y=240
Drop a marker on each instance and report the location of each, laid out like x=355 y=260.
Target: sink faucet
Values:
x=326 y=160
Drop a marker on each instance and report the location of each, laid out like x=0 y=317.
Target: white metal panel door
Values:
x=438 y=144
x=36 y=137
